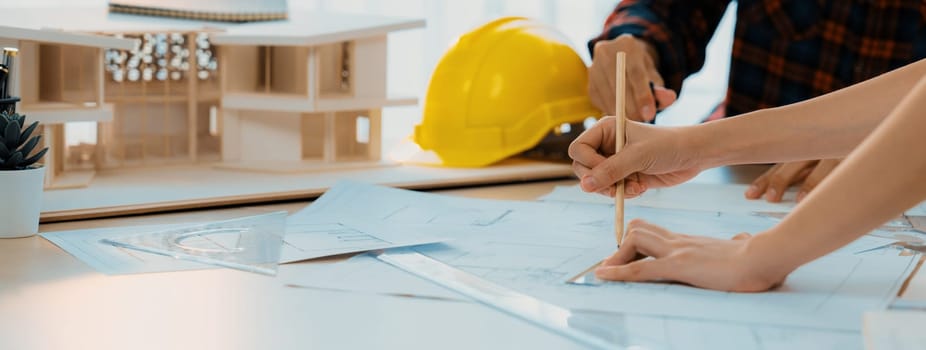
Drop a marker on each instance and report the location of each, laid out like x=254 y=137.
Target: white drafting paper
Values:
x=918 y=210
x=678 y=333
x=85 y=245
x=364 y=274
x=728 y=198
x=866 y=244
x=315 y=239
x=829 y=293
x=534 y=246
x=303 y=240
x=688 y=196
x=695 y=196
x=895 y=330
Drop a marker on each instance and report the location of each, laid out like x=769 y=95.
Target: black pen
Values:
x=6 y=68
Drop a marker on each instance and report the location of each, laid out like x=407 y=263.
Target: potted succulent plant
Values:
x=21 y=177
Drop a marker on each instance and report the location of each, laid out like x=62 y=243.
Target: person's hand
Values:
x=644 y=84
x=651 y=157
x=698 y=261
x=776 y=180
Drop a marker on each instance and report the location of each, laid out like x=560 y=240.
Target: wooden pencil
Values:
x=619 y=109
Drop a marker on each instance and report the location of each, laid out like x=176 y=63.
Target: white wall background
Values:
x=414 y=53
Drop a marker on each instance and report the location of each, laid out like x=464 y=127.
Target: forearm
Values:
x=828 y=126
x=879 y=180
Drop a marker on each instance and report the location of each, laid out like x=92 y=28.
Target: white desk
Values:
x=50 y=300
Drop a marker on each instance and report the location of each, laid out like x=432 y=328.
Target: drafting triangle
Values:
x=250 y=243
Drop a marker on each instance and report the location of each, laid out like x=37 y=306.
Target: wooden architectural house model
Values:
x=59 y=79
x=302 y=94
x=302 y=102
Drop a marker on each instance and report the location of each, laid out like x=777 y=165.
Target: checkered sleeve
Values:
x=678 y=29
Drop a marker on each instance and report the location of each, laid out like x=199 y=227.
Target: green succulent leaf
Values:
x=35 y=158
x=28 y=132
x=16 y=144
x=11 y=135
x=27 y=148
x=14 y=161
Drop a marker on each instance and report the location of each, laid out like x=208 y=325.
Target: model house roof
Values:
x=313 y=28
x=95 y=20
x=303 y=28
x=61 y=37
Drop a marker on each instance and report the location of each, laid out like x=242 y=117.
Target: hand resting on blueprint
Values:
x=876 y=125
x=700 y=261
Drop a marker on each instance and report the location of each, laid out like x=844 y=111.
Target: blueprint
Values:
x=828 y=293
x=695 y=196
x=918 y=210
x=895 y=330
x=689 y=196
x=303 y=240
x=729 y=198
x=85 y=245
x=365 y=274
x=534 y=246
x=672 y=333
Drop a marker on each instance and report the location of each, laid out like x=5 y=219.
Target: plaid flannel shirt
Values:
x=784 y=51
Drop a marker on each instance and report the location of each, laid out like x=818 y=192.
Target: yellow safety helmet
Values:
x=499 y=90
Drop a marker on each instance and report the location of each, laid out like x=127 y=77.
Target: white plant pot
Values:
x=21 y=202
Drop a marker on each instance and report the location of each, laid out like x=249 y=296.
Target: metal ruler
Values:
x=537 y=312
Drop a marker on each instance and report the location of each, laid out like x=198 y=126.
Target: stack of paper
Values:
x=304 y=239
x=534 y=246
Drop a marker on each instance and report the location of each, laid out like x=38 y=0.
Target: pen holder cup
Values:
x=8 y=104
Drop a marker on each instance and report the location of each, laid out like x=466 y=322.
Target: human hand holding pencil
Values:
x=651 y=157
x=870 y=141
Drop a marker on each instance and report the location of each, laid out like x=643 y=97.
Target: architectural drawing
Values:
x=538 y=245
x=302 y=241
x=365 y=274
